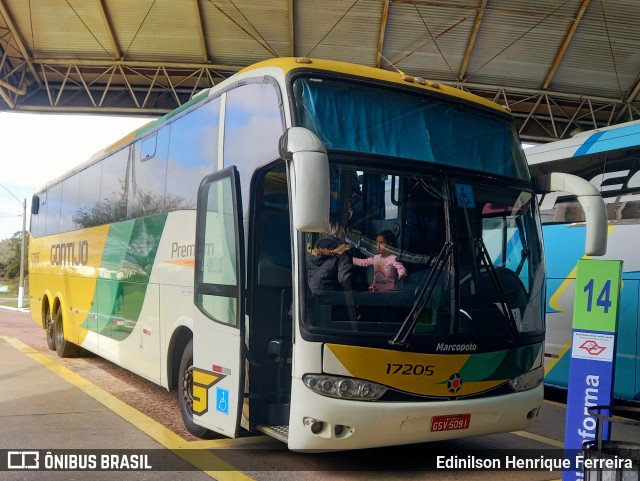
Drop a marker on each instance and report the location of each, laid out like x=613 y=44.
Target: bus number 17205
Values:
x=410 y=369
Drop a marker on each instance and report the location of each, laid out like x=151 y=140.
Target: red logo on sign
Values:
x=592 y=348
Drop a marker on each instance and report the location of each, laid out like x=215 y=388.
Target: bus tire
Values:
x=64 y=348
x=49 y=329
x=185 y=394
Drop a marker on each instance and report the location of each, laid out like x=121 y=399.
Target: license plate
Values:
x=450 y=422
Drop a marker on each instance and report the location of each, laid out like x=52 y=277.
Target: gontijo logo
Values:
x=70 y=254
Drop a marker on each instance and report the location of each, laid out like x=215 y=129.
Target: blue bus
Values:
x=609 y=158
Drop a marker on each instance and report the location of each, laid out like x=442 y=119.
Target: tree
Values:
x=140 y=204
x=10 y=256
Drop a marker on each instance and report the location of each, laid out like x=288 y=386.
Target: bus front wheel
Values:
x=64 y=348
x=185 y=394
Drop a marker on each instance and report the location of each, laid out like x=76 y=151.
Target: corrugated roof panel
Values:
x=161 y=30
x=338 y=30
x=59 y=29
x=611 y=46
x=429 y=41
x=242 y=33
x=517 y=45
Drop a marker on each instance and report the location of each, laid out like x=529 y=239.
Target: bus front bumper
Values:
x=320 y=423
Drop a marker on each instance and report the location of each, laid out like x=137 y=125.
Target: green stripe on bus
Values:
x=125 y=270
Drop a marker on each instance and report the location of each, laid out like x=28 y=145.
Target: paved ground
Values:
x=144 y=396
x=88 y=403
x=46 y=407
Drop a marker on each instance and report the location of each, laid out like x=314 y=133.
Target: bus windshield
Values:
x=429 y=254
x=367 y=118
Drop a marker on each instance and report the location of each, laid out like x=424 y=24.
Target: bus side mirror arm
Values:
x=308 y=165
x=592 y=204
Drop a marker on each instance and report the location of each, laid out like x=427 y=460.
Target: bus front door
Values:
x=218 y=372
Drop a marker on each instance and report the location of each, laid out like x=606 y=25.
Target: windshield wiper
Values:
x=423 y=298
x=485 y=259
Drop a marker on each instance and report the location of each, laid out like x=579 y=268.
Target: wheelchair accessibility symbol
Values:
x=465 y=197
x=222 y=400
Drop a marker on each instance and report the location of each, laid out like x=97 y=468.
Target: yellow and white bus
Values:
x=184 y=253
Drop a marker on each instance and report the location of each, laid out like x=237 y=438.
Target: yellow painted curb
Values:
x=540 y=439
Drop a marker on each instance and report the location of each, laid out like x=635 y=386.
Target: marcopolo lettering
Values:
x=70 y=254
x=456 y=347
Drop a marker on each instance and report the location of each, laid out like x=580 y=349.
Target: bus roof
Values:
x=599 y=140
x=288 y=64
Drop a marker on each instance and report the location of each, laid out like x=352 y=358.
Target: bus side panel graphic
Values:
x=126 y=267
x=432 y=374
x=561 y=263
x=65 y=267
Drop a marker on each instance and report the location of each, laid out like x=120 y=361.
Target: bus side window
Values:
x=148 y=175
x=193 y=153
x=38 y=220
x=89 y=196
x=253 y=126
x=52 y=222
x=69 y=203
x=148 y=147
x=112 y=206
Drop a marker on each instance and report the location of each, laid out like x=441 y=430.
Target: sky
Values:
x=37 y=148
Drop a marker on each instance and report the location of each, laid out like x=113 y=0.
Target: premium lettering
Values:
x=188 y=250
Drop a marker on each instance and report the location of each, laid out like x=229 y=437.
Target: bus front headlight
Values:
x=344 y=387
x=528 y=380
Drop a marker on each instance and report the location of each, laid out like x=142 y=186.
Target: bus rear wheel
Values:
x=185 y=394
x=49 y=328
x=64 y=348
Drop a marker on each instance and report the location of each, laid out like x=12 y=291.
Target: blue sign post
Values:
x=591 y=373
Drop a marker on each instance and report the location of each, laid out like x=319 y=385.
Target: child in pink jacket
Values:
x=387 y=267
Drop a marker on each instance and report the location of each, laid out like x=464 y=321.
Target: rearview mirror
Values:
x=309 y=168
x=35 y=204
x=595 y=212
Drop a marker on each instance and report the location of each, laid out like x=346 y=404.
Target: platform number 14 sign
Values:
x=596 y=300
x=592 y=366
x=604 y=297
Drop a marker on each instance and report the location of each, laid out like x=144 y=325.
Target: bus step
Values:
x=281 y=433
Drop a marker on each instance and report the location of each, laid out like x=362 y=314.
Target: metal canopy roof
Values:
x=560 y=65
